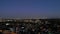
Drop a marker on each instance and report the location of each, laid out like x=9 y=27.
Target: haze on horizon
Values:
x=30 y=8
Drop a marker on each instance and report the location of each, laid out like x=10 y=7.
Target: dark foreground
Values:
x=51 y=26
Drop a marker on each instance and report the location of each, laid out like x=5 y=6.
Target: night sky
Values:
x=30 y=8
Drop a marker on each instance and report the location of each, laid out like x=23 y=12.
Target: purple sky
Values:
x=30 y=8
